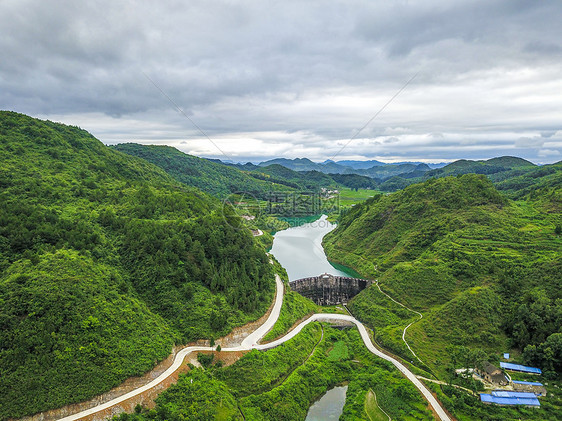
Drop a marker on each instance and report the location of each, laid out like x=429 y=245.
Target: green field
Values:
x=372 y=409
x=349 y=197
x=339 y=352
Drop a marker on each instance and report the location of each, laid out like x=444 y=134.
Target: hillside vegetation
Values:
x=214 y=178
x=221 y=179
x=514 y=176
x=485 y=271
x=106 y=262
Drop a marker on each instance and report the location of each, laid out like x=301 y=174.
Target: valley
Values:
x=112 y=256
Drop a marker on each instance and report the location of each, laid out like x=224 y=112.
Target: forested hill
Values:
x=214 y=178
x=105 y=263
x=508 y=173
x=221 y=179
x=485 y=271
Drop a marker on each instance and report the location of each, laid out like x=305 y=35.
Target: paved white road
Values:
x=251 y=342
x=247 y=344
x=367 y=340
x=254 y=337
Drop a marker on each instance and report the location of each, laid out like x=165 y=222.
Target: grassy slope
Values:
x=448 y=247
x=152 y=247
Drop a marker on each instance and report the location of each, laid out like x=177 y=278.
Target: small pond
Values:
x=329 y=407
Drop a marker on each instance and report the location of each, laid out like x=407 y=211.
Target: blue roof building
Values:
x=528 y=383
x=536 y=387
x=510 y=394
x=485 y=398
x=506 y=356
x=521 y=368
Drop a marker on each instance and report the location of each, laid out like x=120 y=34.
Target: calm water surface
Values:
x=300 y=252
x=329 y=407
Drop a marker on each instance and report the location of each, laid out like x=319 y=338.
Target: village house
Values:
x=492 y=374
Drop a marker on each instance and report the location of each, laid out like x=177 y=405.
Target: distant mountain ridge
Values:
x=496 y=169
x=390 y=177
x=401 y=174
x=371 y=168
x=221 y=179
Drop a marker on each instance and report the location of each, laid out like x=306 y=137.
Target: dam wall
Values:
x=328 y=289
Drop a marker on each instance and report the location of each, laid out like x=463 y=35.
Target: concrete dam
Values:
x=327 y=290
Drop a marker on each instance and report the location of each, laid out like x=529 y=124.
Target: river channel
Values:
x=299 y=250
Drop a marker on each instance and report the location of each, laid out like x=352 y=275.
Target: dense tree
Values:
x=105 y=262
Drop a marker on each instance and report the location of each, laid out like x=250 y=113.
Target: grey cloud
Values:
x=318 y=70
x=530 y=142
x=549 y=153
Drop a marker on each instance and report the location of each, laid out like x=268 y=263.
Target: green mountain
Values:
x=105 y=262
x=523 y=183
x=305 y=164
x=372 y=169
x=214 y=178
x=512 y=162
x=485 y=271
x=315 y=180
x=300 y=180
x=490 y=166
x=359 y=164
x=385 y=172
x=222 y=179
x=497 y=169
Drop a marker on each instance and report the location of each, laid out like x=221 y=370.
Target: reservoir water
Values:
x=300 y=252
x=329 y=407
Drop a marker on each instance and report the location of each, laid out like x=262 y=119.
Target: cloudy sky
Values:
x=264 y=79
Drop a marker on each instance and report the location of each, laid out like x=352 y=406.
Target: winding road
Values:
x=251 y=342
x=367 y=340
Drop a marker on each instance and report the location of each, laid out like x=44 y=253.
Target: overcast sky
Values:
x=265 y=79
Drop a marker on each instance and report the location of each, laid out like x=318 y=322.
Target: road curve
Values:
x=246 y=345
x=367 y=340
x=254 y=337
x=251 y=342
